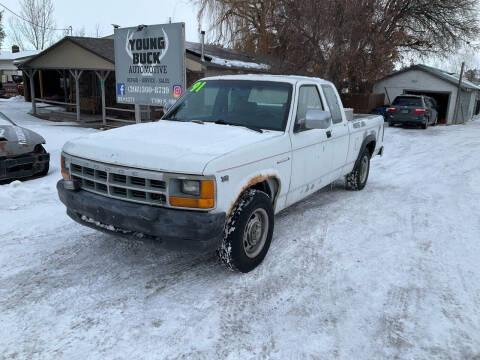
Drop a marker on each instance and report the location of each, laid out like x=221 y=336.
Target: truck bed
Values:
x=351 y=116
x=363 y=116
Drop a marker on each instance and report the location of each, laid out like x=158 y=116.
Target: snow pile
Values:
x=17 y=194
x=17 y=98
x=239 y=64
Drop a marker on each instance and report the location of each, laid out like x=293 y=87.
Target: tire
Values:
x=390 y=124
x=358 y=178
x=248 y=232
x=425 y=126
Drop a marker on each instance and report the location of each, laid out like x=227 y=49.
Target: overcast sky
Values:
x=88 y=13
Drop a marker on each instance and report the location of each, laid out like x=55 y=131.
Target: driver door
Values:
x=310 y=160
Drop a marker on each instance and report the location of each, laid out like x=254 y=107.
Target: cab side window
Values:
x=333 y=104
x=308 y=99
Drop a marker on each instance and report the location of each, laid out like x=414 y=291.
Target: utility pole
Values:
x=459 y=90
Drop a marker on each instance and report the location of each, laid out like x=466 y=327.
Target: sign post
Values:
x=150 y=65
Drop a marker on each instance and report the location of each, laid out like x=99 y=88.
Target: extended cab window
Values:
x=332 y=101
x=308 y=99
x=256 y=104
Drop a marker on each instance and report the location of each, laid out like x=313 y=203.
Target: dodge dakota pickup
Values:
x=225 y=158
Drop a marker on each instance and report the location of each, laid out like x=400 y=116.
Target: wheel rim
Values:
x=364 y=169
x=255 y=234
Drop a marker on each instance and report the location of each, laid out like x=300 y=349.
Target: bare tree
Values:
x=36 y=28
x=80 y=32
x=351 y=42
x=2 y=32
x=14 y=34
x=97 y=31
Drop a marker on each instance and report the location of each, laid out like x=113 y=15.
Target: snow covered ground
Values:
x=389 y=272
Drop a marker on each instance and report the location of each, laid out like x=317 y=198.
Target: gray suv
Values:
x=413 y=110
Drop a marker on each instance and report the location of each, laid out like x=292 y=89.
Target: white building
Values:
x=436 y=83
x=7 y=59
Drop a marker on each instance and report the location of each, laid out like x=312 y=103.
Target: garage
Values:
x=438 y=84
x=442 y=99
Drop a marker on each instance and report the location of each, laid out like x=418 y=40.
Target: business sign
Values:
x=150 y=64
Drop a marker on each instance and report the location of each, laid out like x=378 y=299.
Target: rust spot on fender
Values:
x=253 y=181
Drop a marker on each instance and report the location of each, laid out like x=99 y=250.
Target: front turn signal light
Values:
x=205 y=201
x=64 y=171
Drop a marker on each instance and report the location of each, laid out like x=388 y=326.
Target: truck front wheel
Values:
x=248 y=232
x=357 y=179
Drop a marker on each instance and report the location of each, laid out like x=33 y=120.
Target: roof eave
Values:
x=24 y=65
x=433 y=73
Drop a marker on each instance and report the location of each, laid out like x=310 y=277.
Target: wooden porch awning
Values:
x=75 y=53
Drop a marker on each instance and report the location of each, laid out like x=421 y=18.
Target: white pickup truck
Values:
x=229 y=155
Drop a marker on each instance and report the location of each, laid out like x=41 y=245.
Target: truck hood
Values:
x=168 y=146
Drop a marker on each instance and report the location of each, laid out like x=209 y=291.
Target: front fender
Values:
x=241 y=182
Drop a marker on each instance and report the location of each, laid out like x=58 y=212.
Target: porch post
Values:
x=64 y=73
x=103 y=75
x=40 y=81
x=138 y=114
x=76 y=75
x=31 y=76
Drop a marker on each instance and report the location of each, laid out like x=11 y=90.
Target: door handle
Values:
x=329 y=134
x=283 y=160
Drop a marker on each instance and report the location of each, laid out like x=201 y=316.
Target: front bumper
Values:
x=23 y=166
x=176 y=229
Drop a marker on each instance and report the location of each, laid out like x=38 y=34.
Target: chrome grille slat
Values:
x=129 y=185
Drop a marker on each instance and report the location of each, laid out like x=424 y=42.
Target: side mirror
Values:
x=318 y=119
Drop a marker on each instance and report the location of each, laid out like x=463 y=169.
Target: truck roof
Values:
x=292 y=79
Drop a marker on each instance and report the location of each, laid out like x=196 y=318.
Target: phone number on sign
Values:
x=159 y=90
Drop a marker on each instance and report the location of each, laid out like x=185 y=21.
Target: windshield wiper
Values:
x=223 y=122
x=182 y=120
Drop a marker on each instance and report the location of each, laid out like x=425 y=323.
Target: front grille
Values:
x=120 y=183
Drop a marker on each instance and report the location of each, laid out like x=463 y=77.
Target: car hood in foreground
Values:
x=169 y=146
x=15 y=140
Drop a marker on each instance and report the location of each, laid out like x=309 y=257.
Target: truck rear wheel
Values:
x=248 y=232
x=358 y=178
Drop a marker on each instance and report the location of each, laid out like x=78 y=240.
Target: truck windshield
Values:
x=253 y=104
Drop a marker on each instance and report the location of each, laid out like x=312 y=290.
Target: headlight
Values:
x=195 y=194
x=191 y=187
x=65 y=167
